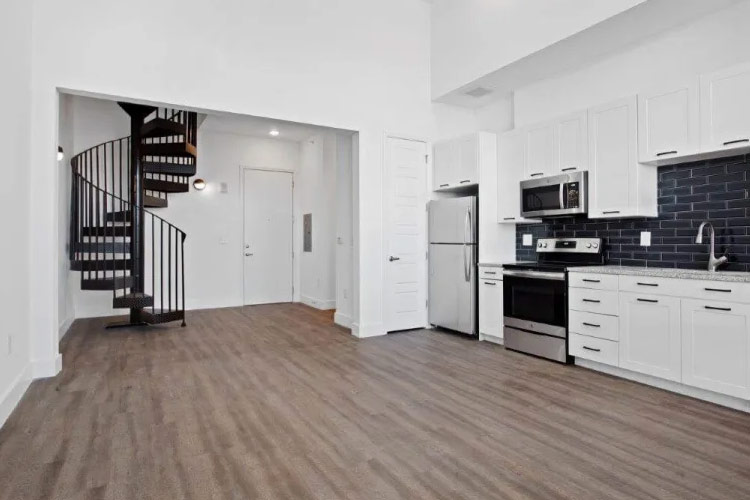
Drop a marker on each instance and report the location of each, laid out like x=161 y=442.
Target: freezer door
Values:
x=453 y=220
x=452 y=285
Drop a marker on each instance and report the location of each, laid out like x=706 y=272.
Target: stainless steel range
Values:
x=535 y=296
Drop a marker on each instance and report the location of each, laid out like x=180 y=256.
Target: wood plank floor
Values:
x=276 y=402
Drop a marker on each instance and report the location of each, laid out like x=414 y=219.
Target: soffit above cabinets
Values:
x=594 y=43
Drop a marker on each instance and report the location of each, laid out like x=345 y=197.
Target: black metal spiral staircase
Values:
x=115 y=243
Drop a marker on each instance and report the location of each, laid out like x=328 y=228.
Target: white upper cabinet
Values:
x=557 y=147
x=716 y=346
x=650 y=335
x=619 y=186
x=725 y=109
x=456 y=162
x=571 y=143
x=540 y=151
x=510 y=173
x=668 y=124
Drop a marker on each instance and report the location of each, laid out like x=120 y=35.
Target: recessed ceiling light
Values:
x=274 y=132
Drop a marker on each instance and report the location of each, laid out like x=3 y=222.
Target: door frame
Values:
x=386 y=217
x=242 y=169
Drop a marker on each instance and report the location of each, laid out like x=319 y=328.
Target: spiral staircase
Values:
x=117 y=245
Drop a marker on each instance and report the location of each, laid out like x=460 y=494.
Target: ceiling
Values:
x=259 y=127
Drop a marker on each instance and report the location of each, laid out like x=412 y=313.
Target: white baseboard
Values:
x=10 y=398
x=64 y=327
x=668 y=385
x=491 y=338
x=342 y=319
x=45 y=368
x=322 y=304
x=366 y=331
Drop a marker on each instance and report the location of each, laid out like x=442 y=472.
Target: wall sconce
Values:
x=60 y=153
x=199 y=184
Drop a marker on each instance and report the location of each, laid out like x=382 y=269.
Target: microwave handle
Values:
x=562 y=195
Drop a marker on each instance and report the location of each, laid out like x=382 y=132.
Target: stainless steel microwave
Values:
x=555 y=196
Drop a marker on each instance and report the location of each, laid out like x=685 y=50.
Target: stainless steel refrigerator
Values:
x=452 y=233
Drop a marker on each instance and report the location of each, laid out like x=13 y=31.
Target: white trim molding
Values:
x=65 y=328
x=490 y=338
x=342 y=319
x=322 y=304
x=12 y=396
x=45 y=368
x=366 y=331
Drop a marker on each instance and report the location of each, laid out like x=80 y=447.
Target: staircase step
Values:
x=101 y=265
x=120 y=217
x=154 y=202
x=109 y=283
x=103 y=231
x=157 y=316
x=182 y=149
x=161 y=127
x=121 y=247
x=134 y=299
x=176 y=169
x=166 y=186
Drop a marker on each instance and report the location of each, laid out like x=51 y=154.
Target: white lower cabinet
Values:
x=650 y=335
x=491 y=307
x=716 y=346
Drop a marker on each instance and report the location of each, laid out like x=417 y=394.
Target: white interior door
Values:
x=267 y=251
x=405 y=293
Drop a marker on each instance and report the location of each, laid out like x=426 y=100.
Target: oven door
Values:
x=536 y=301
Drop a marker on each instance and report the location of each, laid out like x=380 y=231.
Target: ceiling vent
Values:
x=479 y=92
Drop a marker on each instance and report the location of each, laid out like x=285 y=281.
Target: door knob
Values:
x=247 y=246
x=392 y=258
x=248 y=254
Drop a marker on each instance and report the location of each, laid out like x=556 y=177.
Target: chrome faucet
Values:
x=713 y=262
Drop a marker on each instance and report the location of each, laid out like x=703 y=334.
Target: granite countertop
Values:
x=663 y=272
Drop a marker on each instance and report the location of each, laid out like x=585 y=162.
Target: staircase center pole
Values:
x=137 y=246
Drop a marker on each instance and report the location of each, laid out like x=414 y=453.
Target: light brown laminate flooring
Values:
x=276 y=402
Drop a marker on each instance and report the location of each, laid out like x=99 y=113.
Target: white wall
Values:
x=273 y=62
x=315 y=190
x=712 y=43
x=15 y=203
x=65 y=285
x=471 y=38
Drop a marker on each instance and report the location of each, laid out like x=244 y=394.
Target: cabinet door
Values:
x=613 y=159
x=468 y=160
x=716 y=346
x=540 y=149
x=650 y=335
x=510 y=171
x=445 y=165
x=491 y=307
x=725 y=109
x=668 y=124
x=571 y=143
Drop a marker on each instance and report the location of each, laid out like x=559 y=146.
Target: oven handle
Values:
x=539 y=275
x=562 y=197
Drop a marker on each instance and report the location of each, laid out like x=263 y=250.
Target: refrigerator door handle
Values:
x=467 y=263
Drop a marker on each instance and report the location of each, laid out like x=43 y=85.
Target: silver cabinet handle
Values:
x=647 y=284
x=725 y=290
x=652 y=301
x=738 y=141
x=392 y=258
x=537 y=174
x=611 y=212
x=718 y=308
x=569 y=169
x=465 y=182
x=592 y=349
x=490 y=283
x=665 y=153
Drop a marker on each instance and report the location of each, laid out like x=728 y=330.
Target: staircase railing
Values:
x=101 y=234
x=190 y=122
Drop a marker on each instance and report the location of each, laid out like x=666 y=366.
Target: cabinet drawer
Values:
x=491 y=273
x=596 y=281
x=652 y=286
x=600 y=350
x=596 y=301
x=716 y=290
x=594 y=325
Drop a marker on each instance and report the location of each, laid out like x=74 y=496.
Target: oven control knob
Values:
x=544 y=245
x=540 y=244
x=596 y=245
x=588 y=245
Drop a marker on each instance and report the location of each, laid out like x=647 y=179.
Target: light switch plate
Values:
x=645 y=238
x=528 y=240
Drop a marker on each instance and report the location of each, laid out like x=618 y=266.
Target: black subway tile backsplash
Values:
x=715 y=190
